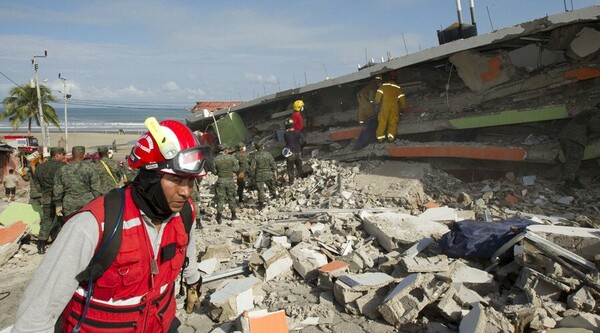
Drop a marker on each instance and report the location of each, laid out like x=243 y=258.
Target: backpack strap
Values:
x=186 y=217
x=114 y=203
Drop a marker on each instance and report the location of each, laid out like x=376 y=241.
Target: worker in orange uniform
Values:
x=389 y=96
x=298 y=107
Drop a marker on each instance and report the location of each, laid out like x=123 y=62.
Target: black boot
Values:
x=233 y=216
x=241 y=198
x=41 y=246
x=261 y=205
x=219 y=217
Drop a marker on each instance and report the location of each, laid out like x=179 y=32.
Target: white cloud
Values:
x=271 y=79
x=171 y=86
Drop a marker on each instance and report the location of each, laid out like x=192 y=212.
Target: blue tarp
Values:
x=479 y=240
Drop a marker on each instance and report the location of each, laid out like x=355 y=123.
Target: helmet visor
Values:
x=189 y=162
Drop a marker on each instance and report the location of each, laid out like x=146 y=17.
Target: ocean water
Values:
x=103 y=120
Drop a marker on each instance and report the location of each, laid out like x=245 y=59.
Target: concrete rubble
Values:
x=362 y=262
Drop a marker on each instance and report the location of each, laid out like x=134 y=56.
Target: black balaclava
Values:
x=148 y=195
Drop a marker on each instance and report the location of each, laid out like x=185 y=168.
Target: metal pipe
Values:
x=472 y=8
x=459 y=13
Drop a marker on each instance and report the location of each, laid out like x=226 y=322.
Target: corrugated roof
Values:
x=214 y=105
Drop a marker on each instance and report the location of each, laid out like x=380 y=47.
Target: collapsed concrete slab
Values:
x=220 y=251
x=473 y=278
x=403 y=304
x=586 y=43
x=544 y=287
x=582 y=241
x=437 y=263
x=584 y=320
x=394 y=230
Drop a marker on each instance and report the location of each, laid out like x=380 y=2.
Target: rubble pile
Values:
x=334 y=255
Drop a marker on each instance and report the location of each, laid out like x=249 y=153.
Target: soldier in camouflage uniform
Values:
x=75 y=185
x=224 y=166
x=573 y=138
x=242 y=157
x=44 y=175
x=110 y=171
x=264 y=172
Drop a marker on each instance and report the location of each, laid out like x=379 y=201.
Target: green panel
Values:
x=232 y=129
x=16 y=211
x=511 y=117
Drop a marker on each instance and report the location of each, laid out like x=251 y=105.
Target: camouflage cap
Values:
x=56 y=150
x=258 y=144
x=103 y=150
x=241 y=145
x=223 y=147
x=78 y=149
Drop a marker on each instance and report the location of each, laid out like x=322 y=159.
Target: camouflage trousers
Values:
x=50 y=223
x=294 y=161
x=573 y=155
x=225 y=192
x=260 y=187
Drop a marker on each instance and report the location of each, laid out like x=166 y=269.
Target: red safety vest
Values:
x=149 y=298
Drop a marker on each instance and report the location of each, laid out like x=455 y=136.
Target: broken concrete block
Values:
x=448 y=306
x=209 y=266
x=281 y=241
x=444 y=213
x=348 y=288
x=481 y=319
x=394 y=229
x=367 y=305
x=474 y=321
x=327 y=273
x=586 y=42
x=403 y=304
x=437 y=263
x=473 y=278
x=481 y=72
x=584 y=320
x=298 y=233
x=235 y=297
x=277 y=262
x=307 y=259
x=219 y=251
x=543 y=286
x=581 y=300
x=416 y=248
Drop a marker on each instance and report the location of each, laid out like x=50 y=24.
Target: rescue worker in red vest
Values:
x=298 y=107
x=136 y=292
x=389 y=96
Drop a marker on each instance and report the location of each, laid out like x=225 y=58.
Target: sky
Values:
x=175 y=53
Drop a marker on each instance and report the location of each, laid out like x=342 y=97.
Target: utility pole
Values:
x=39 y=101
x=65 y=97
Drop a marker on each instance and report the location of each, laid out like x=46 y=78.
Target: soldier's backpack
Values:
x=114 y=202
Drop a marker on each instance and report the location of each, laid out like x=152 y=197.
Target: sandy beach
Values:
x=91 y=141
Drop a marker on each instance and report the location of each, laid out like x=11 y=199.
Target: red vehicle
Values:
x=25 y=143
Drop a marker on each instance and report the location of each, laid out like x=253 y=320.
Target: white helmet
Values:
x=286 y=152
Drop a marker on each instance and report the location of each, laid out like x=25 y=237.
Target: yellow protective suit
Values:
x=389 y=95
x=365 y=98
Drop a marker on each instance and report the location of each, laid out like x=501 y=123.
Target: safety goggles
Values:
x=187 y=162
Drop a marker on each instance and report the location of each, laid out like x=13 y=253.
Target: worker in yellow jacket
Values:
x=389 y=96
x=366 y=97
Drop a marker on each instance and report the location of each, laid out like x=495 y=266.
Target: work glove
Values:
x=192 y=300
x=59 y=211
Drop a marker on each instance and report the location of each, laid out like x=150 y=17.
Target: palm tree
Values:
x=22 y=106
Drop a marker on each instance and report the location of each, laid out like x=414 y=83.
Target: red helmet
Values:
x=178 y=152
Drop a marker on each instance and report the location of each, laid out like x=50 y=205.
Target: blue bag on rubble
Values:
x=472 y=239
